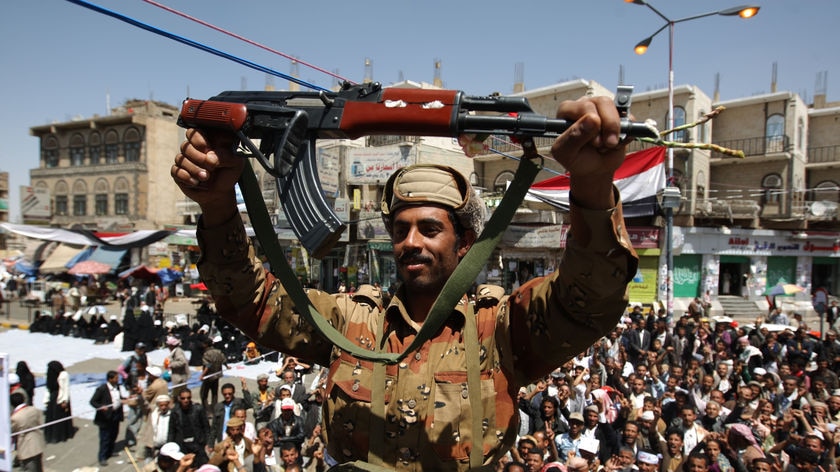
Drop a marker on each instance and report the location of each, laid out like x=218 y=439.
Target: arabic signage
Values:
x=554 y=236
x=329 y=164
x=374 y=165
x=761 y=244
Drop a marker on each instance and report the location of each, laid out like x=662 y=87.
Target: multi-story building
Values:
x=111 y=173
x=743 y=224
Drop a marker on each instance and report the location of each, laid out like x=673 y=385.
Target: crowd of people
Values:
x=688 y=394
x=655 y=393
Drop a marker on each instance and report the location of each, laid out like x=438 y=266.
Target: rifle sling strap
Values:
x=459 y=282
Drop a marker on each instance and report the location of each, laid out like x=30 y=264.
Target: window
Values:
x=61 y=205
x=775 y=133
x=800 y=135
x=101 y=203
x=79 y=205
x=827 y=190
x=501 y=183
x=112 y=147
x=701 y=130
x=50 y=149
x=770 y=185
x=679 y=120
x=77 y=150
x=132 y=145
x=95 y=149
x=121 y=204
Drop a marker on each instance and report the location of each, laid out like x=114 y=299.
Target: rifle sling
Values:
x=459 y=282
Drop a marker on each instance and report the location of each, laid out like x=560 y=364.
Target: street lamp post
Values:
x=671 y=193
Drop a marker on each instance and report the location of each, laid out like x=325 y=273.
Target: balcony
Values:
x=824 y=154
x=760 y=146
x=730 y=209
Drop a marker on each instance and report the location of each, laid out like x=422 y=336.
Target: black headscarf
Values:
x=53 y=369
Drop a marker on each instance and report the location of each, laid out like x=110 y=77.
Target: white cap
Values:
x=647 y=416
x=648 y=458
x=760 y=371
x=172 y=450
x=287 y=404
x=154 y=370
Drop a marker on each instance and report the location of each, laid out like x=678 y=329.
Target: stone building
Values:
x=111 y=173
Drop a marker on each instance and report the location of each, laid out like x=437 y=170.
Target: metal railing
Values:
x=824 y=154
x=758 y=146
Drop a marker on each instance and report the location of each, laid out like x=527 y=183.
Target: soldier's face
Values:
x=426 y=247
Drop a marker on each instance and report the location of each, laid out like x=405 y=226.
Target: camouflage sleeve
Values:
x=254 y=300
x=551 y=319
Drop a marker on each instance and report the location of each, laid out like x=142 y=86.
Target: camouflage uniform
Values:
x=428 y=420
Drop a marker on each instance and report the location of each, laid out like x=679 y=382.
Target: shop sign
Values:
x=374 y=165
x=552 y=236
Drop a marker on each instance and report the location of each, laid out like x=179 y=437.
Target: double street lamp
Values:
x=671 y=195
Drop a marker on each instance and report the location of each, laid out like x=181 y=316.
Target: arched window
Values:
x=60 y=198
x=774 y=133
x=131 y=143
x=121 y=188
x=79 y=198
x=101 y=193
x=679 y=120
x=77 y=150
x=501 y=183
x=95 y=148
x=827 y=190
x=771 y=185
x=112 y=147
x=50 y=150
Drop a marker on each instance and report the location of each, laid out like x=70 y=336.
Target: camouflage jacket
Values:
x=523 y=336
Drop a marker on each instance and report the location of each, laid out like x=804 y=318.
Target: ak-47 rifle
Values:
x=287 y=124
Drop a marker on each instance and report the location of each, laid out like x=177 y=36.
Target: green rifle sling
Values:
x=459 y=282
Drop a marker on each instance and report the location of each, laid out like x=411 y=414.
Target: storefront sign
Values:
x=374 y=165
x=553 y=236
x=329 y=164
x=761 y=243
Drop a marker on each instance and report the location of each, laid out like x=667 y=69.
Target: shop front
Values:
x=746 y=263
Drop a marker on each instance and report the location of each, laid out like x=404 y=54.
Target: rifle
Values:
x=287 y=124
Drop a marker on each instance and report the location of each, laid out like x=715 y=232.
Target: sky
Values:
x=60 y=61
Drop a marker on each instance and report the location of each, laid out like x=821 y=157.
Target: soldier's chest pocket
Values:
x=452 y=413
x=355 y=378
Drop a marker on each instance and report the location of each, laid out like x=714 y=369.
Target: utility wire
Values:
x=241 y=38
x=195 y=44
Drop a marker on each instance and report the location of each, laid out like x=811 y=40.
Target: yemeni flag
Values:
x=638 y=179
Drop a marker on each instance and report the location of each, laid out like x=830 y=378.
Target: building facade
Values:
x=111 y=173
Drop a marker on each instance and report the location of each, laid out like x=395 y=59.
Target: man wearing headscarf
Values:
x=179 y=368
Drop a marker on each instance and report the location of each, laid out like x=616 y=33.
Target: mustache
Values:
x=413 y=257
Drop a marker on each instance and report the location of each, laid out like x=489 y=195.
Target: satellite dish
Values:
x=818 y=208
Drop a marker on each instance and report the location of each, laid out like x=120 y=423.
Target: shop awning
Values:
x=111 y=257
x=58 y=261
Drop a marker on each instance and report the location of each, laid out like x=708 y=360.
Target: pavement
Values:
x=87 y=363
